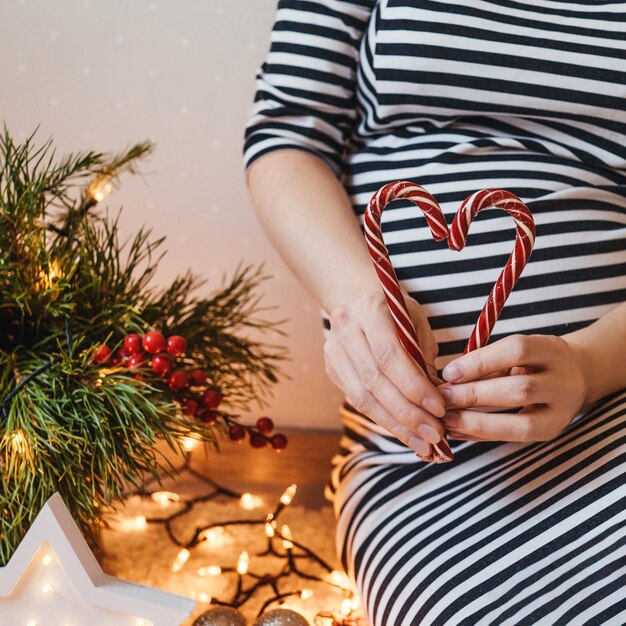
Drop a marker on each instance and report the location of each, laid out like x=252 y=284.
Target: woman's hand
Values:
x=543 y=374
x=366 y=360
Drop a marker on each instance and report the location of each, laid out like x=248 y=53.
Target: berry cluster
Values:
x=198 y=400
x=152 y=347
x=259 y=436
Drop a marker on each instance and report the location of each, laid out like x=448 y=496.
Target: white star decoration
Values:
x=53 y=579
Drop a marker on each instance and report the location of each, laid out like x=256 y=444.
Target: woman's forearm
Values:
x=307 y=215
x=603 y=350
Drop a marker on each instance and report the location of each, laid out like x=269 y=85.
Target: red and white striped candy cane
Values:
x=387 y=275
x=525 y=239
x=470 y=207
x=380 y=256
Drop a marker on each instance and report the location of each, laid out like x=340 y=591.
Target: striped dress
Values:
x=529 y=96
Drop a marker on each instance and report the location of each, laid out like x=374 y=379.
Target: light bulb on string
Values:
x=47 y=278
x=288 y=494
x=47 y=559
x=214 y=537
x=164 y=498
x=242 y=563
x=138 y=522
x=100 y=188
x=181 y=558
x=209 y=570
x=189 y=443
x=19 y=442
x=340 y=579
x=285 y=531
x=305 y=594
x=346 y=607
x=250 y=502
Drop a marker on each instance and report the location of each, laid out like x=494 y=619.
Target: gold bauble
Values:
x=281 y=617
x=221 y=616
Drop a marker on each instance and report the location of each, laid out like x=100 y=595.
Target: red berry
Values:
x=132 y=344
x=279 y=442
x=257 y=440
x=264 y=425
x=103 y=353
x=117 y=359
x=212 y=398
x=153 y=342
x=237 y=433
x=162 y=364
x=176 y=345
x=178 y=380
x=191 y=406
x=197 y=378
x=121 y=357
x=206 y=416
x=136 y=360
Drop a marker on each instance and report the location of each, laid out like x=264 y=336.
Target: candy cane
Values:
x=525 y=239
x=380 y=255
x=387 y=275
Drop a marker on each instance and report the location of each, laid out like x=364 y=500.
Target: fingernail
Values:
x=434 y=407
x=455 y=435
x=429 y=433
x=445 y=449
x=448 y=396
x=452 y=372
x=451 y=420
x=419 y=446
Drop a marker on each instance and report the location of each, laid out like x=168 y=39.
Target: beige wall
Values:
x=100 y=74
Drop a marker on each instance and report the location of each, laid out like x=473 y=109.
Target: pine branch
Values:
x=67 y=424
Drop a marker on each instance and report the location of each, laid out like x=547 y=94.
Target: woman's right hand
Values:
x=366 y=360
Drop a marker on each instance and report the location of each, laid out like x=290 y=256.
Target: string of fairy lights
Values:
x=298 y=562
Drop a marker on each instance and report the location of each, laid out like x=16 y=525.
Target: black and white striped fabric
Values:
x=528 y=96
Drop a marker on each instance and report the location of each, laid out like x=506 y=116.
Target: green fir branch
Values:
x=77 y=428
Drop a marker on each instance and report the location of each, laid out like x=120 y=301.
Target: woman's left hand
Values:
x=543 y=374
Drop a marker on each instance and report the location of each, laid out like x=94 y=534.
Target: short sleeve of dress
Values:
x=305 y=89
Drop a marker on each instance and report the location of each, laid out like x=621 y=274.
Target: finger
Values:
x=383 y=352
x=493 y=426
x=340 y=368
x=462 y=437
x=498 y=374
x=389 y=396
x=507 y=391
x=516 y=350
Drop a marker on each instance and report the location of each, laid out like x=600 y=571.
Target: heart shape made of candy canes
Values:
x=457 y=237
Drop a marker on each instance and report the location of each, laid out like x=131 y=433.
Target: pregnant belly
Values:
x=577 y=271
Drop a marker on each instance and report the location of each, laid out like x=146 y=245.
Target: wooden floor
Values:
x=266 y=473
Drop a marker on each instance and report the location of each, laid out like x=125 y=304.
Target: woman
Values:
x=527 y=525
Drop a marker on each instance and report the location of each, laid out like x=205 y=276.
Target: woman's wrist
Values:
x=346 y=294
x=599 y=351
x=583 y=357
